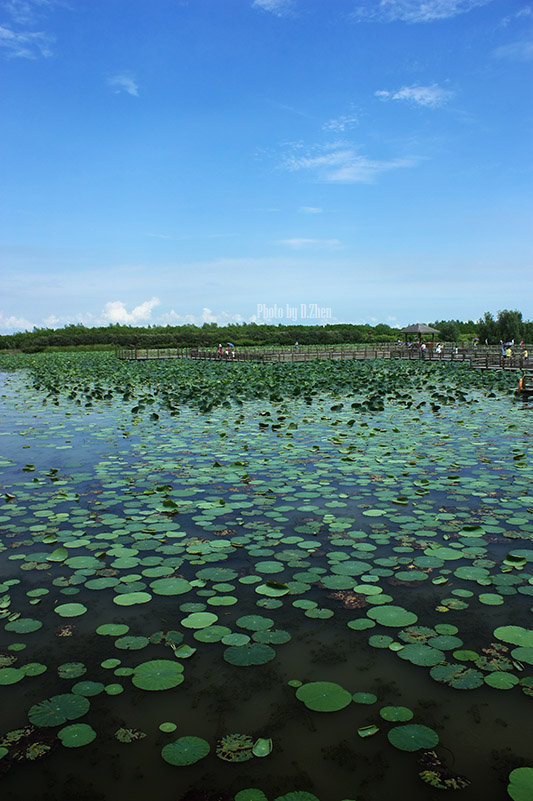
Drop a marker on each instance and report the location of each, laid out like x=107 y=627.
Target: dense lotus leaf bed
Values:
x=322 y=571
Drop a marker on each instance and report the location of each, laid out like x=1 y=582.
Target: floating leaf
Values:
x=158 y=674
x=185 y=751
x=58 y=709
x=76 y=735
x=323 y=696
x=412 y=737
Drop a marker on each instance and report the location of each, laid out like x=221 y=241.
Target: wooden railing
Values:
x=486 y=359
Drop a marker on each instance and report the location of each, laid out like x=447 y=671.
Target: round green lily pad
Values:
x=249 y=654
x=390 y=615
x=58 y=709
x=364 y=698
x=10 y=675
x=199 y=620
x=396 y=713
x=76 y=735
x=170 y=586
x=167 y=727
x=132 y=598
x=412 y=737
x=158 y=674
x=516 y=635
x=520 y=786
x=185 y=751
x=88 y=688
x=24 y=625
x=323 y=696
x=113 y=629
x=70 y=610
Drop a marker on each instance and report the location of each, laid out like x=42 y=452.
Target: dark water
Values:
x=246 y=496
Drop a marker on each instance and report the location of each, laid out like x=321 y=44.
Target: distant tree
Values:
x=448 y=331
x=488 y=329
x=510 y=325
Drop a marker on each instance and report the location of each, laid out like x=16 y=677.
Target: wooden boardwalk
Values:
x=480 y=359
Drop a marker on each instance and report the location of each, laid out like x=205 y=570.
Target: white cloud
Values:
x=310 y=210
x=341 y=164
x=342 y=123
x=515 y=51
x=115 y=312
x=25 y=44
x=301 y=243
x=430 y=96
x=277 y=7
x=414 y=11
x=25 y=11
x=10 y=323
x=205 y=316
x=123 y=83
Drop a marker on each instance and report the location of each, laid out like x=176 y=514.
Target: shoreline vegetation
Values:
x=507 y=326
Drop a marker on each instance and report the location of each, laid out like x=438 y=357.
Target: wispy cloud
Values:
x=301 y=243
x=515 y=51
x=27 y=11
x=115 y=312
x=430 y=96
x=413 y=11
x=123 y=82
x=310 y=210
x=25 y=44
x=342 y=123
x=19 y=37
x=343 y=165
x=277 y=7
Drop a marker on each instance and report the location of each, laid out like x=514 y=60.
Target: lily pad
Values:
x=158 y=674
x=58 y=709
x=76 y=735
x=412 y=737
x=520 y=787
x=323 y=696
x=185 y=751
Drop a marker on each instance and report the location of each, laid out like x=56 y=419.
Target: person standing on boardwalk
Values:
x=219 y=350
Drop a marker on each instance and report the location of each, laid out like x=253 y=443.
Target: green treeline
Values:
x=507 y=325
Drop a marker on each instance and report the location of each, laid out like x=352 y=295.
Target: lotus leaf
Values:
x=70 y=610
x=58 y=709
x=250 y=794
x=250 y=654
x=158 y=674
x=323 y=696
x=167 y=727
x=396 y=713
x=23 y=625
x=516 y=635
x=199 y=620
x=10 y=675
x=76 y=735
x=391 y=615
x=412 y=737
x=364 y=698
x=113 y=629
x=520 y=787
x=367 y=731
x=170 y=586
x=132 y=598
x=457 y=676
x=262 y=747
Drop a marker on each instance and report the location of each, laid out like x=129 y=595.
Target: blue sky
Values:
x=172 y=161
